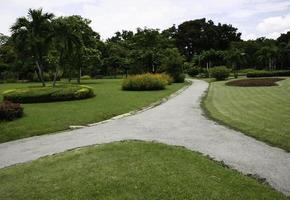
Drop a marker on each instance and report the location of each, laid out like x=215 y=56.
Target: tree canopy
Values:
x=44 y=47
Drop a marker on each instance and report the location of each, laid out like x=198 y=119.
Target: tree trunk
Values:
x=40 y=72
x=79 y=76
x=126 y=73
x=54 y=78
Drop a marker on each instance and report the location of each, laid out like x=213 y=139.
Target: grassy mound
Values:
x=48 y=94
x=129 y=170
x=146 y=82
x=255 y=82
x=261 y=112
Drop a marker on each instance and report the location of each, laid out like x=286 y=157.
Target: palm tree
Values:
x=235 y=57
x=268 y=54
x=65 y=40
x=34 y=31
x=208 y=57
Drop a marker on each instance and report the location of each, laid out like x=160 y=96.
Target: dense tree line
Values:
x=44 y=47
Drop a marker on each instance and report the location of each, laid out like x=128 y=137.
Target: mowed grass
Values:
x=110 y=100
x=261 y=112
x=129 y=170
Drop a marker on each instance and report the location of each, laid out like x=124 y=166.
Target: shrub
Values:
x=268 y=73
x=219 y=73
x=194 y=71
x=145 y=82
x=10 y=111
x=179 y=78
x=86 y=77
x=257 y=82
x=166 y=77
x=9 y=77
x=48 y=94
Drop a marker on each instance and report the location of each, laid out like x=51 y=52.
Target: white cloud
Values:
x=279 y=23
x=47 y=3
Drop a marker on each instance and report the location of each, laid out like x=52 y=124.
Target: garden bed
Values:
x=255 y=82
x=48 y=94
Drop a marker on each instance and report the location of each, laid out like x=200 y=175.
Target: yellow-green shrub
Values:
x=145 y=82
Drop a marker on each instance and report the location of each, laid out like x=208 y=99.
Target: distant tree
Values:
x=284 y=38
x=209 y=56
x=193 y=37
x=235 y=57
x=172 y=63
x=3 y=39
x=268 y=54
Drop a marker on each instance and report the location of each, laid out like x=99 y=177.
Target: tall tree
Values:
x=195 y=36
x=35 y=32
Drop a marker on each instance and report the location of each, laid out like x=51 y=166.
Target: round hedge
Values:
x=255 y=82
x=48 y=94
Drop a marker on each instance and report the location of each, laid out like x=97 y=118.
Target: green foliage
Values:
x=172 y=63
x=268 y=73
x=193 y=71
x=10 y=111
x=48 y=94
x=145 y=82
x=219 y=73
x=193 y=37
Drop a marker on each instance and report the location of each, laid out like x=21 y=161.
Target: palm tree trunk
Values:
x=79 y=76
x=54 y=78
x=40 y=72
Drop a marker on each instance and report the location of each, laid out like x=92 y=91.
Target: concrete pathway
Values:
x=179 y=121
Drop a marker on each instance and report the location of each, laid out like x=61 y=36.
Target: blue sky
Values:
x=254 y=18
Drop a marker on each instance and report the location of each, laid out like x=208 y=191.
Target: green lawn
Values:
x=110 y=100
x=261 y=112
x=129 y=170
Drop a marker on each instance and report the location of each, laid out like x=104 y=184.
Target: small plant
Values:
x=145 y=82
x=219 y=73
x=10 y=111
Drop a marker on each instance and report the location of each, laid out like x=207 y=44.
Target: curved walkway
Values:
x=179 y=121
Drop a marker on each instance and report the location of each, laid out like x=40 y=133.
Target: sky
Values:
x=253 y=18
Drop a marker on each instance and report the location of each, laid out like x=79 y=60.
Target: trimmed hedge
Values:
x=10 y=111
x=255 y=82
x=48 y=94
x=146 y=82
x=219 y=73
x=268 y=74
